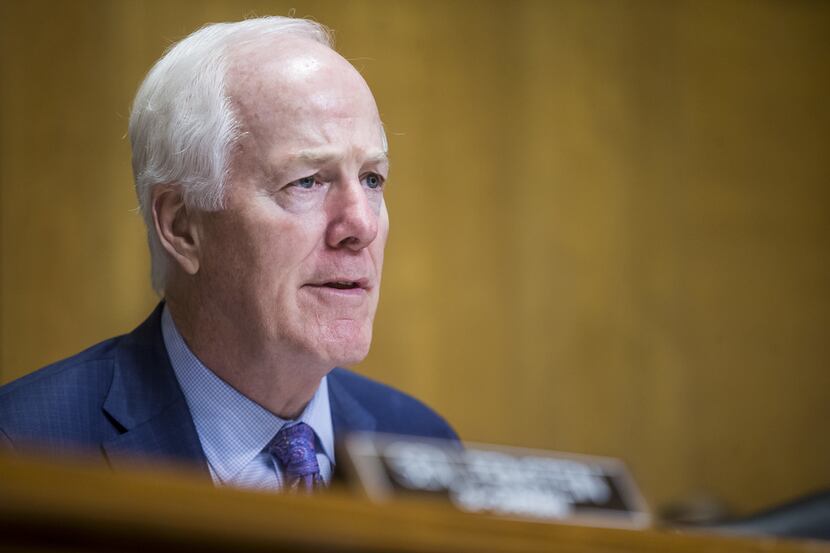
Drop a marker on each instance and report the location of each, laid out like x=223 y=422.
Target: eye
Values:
x=305 y=182
x=373 y=181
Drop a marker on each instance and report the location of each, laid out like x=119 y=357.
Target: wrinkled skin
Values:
x=282 y=284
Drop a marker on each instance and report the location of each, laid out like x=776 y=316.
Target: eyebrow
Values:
x=318 y=157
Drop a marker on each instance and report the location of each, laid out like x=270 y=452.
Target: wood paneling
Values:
x=609 y=220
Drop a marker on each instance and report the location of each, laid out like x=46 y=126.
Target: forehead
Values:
x=276 y=83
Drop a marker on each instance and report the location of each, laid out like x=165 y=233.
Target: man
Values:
x=259 y=160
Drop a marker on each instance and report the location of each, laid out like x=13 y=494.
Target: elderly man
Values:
x=260 y=162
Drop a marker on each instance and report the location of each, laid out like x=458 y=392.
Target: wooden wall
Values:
x=609 y=219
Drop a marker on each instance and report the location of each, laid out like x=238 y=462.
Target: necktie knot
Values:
x=293 y=447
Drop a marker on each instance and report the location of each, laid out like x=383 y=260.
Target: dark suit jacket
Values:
x=120 y=399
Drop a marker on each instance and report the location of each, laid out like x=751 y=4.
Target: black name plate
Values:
x=519 y=483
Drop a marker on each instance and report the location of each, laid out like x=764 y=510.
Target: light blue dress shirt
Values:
x=235 y=430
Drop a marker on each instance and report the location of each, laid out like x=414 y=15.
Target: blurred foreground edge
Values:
x=75 y=507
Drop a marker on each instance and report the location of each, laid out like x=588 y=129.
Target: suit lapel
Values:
x=347 y=413
x=347 y=416
x=145 y=400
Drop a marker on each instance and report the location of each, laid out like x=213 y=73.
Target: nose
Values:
x=353 y=219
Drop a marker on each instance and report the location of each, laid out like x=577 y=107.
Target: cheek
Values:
x=282 y=249
x=224 y=250
x=379 y=243
x=242 y=250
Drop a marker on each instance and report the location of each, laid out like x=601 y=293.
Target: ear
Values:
x=176 y=227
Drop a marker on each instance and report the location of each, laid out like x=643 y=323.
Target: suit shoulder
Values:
x=395 y=411
x=48 y=400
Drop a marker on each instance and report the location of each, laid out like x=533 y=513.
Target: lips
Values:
x=346 y=294
x=341 y=283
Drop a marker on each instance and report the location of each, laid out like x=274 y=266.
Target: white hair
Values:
x=182 y=125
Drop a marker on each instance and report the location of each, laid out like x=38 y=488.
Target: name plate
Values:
x=505 y=481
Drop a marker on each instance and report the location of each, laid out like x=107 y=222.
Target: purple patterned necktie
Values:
x=293 y=447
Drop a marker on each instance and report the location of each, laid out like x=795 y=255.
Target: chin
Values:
x=344 y=355
x=345 y=345
x=346 y=352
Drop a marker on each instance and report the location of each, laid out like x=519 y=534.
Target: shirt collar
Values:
x=232 y=428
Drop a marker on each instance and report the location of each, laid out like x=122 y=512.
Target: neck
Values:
x=278 y=379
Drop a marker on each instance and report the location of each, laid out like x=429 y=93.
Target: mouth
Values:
x=342 y=285
x=345 y=284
